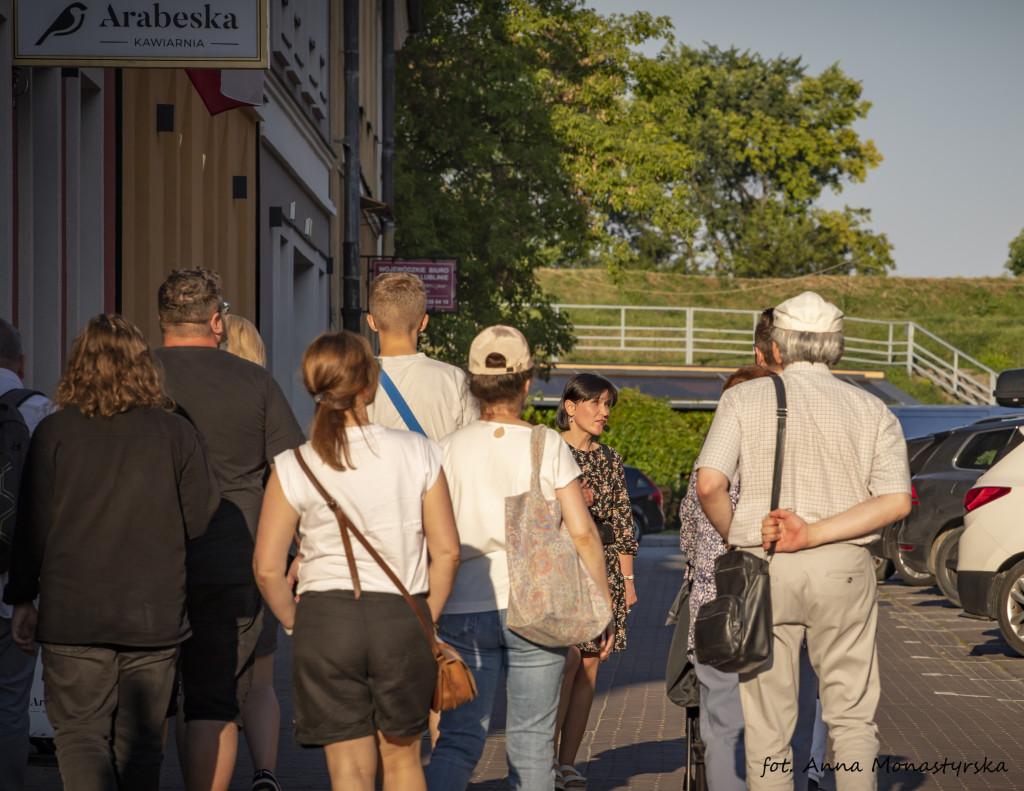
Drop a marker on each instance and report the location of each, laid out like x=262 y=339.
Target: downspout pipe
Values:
x=387 y=159
x=351 y=280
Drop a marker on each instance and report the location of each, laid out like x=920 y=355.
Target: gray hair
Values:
x=796 y=346
x=11 y=350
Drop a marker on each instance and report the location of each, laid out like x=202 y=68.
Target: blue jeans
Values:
x=16 y=673
x=533 y=677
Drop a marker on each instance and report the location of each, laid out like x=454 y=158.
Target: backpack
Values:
x=14 y=436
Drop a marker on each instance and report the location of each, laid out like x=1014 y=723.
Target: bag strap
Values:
x=403 y=408
x=346 y=526
x=781 y=413
x=536 y=454
x=18 y=396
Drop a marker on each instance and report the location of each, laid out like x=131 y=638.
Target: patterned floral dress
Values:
x=602 y=471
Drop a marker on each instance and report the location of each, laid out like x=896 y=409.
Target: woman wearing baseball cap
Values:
x=484 y=463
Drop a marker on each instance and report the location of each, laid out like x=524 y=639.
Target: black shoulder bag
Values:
x=733 y=632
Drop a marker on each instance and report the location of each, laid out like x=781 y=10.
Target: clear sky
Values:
x=946 y=83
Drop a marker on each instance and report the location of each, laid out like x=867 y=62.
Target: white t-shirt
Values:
x=484 y=463
x=383 y=497
x=436 y=392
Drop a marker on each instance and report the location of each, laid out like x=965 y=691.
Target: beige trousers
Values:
x=826 y=595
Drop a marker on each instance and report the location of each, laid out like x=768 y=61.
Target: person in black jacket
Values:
x=115 y=484
x=244 y=421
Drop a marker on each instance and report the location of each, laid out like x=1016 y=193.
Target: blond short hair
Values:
x=398 y=302
x=243 y=340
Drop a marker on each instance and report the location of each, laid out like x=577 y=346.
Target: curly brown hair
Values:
x=111 y=370
x=336 y=368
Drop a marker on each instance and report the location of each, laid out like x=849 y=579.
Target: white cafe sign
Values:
x=178 y=33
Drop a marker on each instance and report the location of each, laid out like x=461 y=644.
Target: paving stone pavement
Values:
x=951 y=691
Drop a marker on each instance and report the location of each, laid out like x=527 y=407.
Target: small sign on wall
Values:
x=219 y=34
x=437 y=274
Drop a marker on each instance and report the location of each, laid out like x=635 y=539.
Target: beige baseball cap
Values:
x=808 y=312
x=506 y=341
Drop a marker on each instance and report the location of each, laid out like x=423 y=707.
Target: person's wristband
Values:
x=627 y=576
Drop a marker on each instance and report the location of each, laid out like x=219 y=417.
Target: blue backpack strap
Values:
x=403 y=408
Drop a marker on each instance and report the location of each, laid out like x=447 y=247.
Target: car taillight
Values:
x=975 y=498
x=656 y=494
x=913 y=495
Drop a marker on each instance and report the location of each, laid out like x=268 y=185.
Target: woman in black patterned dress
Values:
x=582 y=415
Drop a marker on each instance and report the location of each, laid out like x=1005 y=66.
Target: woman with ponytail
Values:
x=363 y=673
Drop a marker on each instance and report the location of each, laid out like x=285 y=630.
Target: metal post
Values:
x=956 y=372
x=889 y=353
x=622 y=328
x=689 y=336
x=910 y=348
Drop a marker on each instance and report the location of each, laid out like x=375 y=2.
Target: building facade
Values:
x=111 y=177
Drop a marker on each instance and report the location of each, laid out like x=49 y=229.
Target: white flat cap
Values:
x=808 y=312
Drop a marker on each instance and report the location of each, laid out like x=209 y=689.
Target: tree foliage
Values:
x=1015 y=261
x=535 y=134
x=514 y=148
x=767 y=140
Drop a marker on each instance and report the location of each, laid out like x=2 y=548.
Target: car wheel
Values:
x=1010 y=608
x=946 y=549
x=638 y=529
x=883 y=568
x=911 y=576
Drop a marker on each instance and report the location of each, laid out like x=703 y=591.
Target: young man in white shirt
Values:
x=436 y=393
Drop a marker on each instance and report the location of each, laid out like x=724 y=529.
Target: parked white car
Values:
x=990 y=564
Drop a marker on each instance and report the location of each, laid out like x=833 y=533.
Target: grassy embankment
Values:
x=983 y=317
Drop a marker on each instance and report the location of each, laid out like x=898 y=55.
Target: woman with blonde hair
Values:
x=114 y=485
x=363 y=673
x=261 y=712
x=242 y=339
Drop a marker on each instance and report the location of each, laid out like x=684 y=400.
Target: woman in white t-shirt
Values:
x=485 y=462
x=363 y=673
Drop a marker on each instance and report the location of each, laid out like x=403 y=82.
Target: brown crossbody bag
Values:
x=455 y=683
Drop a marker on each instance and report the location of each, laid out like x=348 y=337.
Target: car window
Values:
x=981 y=450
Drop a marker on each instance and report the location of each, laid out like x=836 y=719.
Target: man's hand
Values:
x=23 y=627
x=785 y=527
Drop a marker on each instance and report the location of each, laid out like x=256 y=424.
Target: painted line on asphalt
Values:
x=961 y=695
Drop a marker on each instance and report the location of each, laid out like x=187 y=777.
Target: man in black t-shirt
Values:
x=243 y=421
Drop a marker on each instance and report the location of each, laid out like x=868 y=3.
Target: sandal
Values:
x=572 y=778
x=559 y=781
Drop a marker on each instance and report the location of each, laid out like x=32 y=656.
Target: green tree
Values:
x=1015 y=261
x=515 y=148
x=767 y=140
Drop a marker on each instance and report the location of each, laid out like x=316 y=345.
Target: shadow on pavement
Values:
x=614 y=768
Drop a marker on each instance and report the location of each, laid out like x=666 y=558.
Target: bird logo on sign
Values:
x=67 y=22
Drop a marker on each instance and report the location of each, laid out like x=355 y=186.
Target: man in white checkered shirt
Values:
x=845 y=476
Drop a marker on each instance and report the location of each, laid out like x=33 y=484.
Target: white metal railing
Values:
x=694 y=336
